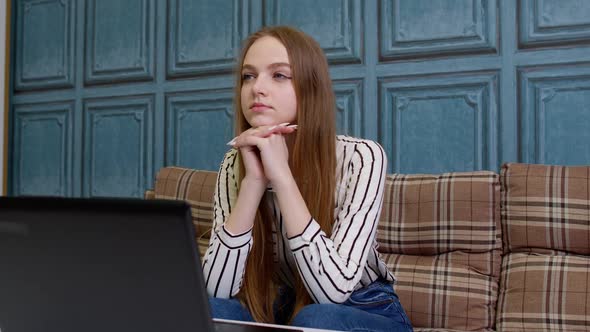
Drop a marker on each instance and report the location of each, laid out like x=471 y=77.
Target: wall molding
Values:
x=5 y=16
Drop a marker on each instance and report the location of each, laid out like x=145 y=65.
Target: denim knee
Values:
x=317 y=316
x=380 y=298
x=345 y=318
x=229 y=309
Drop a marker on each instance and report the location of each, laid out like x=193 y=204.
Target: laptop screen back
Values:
x=99 y=265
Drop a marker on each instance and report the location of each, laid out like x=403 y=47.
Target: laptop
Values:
x=72 y=264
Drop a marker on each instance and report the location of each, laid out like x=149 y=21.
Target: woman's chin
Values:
x=256 y=124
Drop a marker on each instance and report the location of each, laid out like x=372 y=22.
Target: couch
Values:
x=471 y=251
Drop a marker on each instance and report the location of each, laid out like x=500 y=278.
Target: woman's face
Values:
x=268 y=96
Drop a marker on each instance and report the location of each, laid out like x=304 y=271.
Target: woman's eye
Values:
x=246 y=77
x=281 y=76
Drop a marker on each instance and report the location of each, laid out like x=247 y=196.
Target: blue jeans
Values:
x=372 y=308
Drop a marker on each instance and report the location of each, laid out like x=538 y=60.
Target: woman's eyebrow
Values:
x=279 y=64
x=271 y=66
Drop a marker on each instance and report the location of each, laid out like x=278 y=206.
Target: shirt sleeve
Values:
x=332 y=267
x=225 y=260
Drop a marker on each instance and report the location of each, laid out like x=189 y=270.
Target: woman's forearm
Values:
x=243 y=213
x=293 y=208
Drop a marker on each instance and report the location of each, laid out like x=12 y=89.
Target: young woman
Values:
x=296 y=206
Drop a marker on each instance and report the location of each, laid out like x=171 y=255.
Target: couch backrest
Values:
x=440 y=235
x=546 y=207
x=426 y=214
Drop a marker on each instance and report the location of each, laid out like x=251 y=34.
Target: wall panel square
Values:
x=198 y=126
x=424 y=28
x=45 y=45
x=439 y=123
x=120 y=41
x=118 y=146
x=554 y=114
x=42 y=158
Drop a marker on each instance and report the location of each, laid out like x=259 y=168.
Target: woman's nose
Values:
x=260 y=85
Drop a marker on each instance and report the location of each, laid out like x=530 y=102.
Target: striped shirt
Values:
x=331 y=267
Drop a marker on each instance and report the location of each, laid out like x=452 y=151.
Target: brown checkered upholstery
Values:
x=545 y=281
x=193 y=186
x=544 y=293
x=440 y=235
x=546 y=207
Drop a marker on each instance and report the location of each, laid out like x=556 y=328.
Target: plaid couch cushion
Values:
x=434 y=214
x=544 y=293
x=546 y=207
x=440 y=236
x=453 y=291
x=193 y=186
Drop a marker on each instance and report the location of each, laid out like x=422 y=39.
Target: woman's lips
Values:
x=259 y=107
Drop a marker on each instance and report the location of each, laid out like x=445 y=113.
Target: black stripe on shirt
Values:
x=281 y=225
x=212 y=265
x=227 y=191
x=315 y=278
x=228 y=246
x=315 y=299
x=362 y=283
x=360 y=229
x=341 y=173
x=233 y=174
x=298 y=235
x=307 y=244
x=337 y=223
x=352 y=199
x=228 y=155
x=221 y=275
x=233 y=279
x=376 y=259
x=358 y=177
x=338 y=267
x=370 y=270
x=219 y=197
x=234 y=236
x=376 y=220
x=332 y=281
x=300 y=247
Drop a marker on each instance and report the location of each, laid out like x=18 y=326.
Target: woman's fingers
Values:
x=261 y=132
x=280 y=129
x=252 y=163
x=247 y=140
x=266 y=131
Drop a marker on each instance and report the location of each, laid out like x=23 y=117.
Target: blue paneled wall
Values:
x=106 y=92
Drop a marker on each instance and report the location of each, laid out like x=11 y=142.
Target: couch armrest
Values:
x=193 y=186
x=149 y=194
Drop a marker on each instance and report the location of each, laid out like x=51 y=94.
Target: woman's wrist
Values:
x=293 y=208
x=284 y=183
x=257 y=185
x=244 y=211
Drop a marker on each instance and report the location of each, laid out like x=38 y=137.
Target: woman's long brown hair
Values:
x=312 y=161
